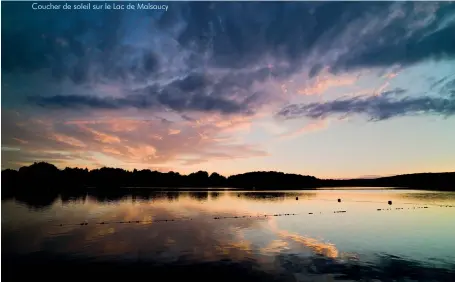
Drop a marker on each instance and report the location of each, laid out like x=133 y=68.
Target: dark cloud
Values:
x=193 y=82
x=192 y=93
x=76 y=101
x=281 y=31
x=195 y=92
x=200 y=102
x=416 y=33
x=315 y=70
x=82 y=46
x=437 y=46
x=381 y=107
x=206 y=56
x=287 y=31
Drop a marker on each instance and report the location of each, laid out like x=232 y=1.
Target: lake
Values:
x=233 y=235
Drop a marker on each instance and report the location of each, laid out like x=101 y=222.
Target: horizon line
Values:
x=364 y=177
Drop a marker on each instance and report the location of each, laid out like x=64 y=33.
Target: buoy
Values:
x=297 y=198
x=339 y=200
x=390 y=202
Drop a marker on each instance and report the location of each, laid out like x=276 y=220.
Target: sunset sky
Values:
x=326 y=89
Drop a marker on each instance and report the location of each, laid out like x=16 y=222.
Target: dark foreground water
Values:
x=232 y=236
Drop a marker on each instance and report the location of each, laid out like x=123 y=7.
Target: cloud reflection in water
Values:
x=259 y=245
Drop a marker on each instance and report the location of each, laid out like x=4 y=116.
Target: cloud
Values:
x=180 y=87
x=403 y=34
x=325 y=81
x=116 y=140
x=215 y=56
x=362 y=34
x=378 y=107
x=224 y=35
x=76 y=101
x=225 y=93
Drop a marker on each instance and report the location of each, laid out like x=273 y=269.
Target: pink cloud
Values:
x=118 y=141
x=68 y=140
x=324 y=81
x=173 y=131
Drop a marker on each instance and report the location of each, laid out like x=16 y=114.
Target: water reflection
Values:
x=199 y=195
x=45 y=200
x=36 y=200
x=361 y=244
x=214 y=195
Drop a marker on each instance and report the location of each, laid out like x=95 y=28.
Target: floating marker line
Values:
x=254 y=216
x=413 y=208
x=377 y=202
x=126 y=221
x=259 y=216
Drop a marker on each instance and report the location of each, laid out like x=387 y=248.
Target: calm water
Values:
x=243 y=234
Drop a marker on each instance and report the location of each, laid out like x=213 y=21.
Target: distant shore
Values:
x=47 y=178
x=203 y=189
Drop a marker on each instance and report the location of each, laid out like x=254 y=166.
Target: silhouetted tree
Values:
x=198 y=179
x=272 y=180
x=43 y=182
x=217 y=180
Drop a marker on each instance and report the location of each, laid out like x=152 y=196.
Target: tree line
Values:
x=47 y=177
